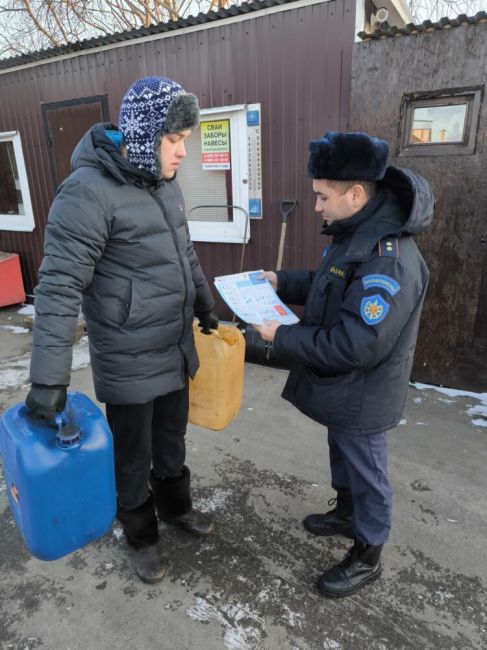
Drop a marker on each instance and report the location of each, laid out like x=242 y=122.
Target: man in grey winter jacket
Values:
x=117 y=241
x=352 y=354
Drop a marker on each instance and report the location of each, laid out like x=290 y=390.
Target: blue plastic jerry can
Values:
x=60 y=476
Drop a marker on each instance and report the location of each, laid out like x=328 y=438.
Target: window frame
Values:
x=229 y=232
x=18 y=222
x=473 y=97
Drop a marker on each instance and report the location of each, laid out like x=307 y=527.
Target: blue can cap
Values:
x=68 y=436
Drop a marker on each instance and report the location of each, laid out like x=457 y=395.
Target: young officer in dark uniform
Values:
x=352 y=353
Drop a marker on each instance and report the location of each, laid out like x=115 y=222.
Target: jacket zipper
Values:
x=181 y=264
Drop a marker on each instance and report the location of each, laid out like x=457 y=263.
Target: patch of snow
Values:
x=81 y=355
x=422 y=424
x=16 y=329
x=477 y=410
x=446 y=401
x=14 y=371
x=214 y=502
x=242 y=625
x=118 y=533
x=480 y=409
x=442 y=596
x=292 y=618
x=27 y=310
x=418 y=400
x=237 y=638
x=264 y=596
x=403 y=422
x=330 y=644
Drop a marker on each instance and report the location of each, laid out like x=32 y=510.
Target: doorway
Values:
x=65 y=123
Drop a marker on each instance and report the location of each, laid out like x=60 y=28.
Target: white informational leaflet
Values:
x=253 y=300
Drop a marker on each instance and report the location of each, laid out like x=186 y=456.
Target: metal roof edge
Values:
x=234 y=13
x=426 y=26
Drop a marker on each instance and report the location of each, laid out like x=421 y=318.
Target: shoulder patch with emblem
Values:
x=374 y=309
x=382 y=282
x=389 y=247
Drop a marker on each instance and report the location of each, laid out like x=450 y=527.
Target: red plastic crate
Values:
x=11 y=284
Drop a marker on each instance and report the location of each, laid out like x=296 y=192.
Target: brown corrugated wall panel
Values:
x=452 y=342
x=296 y=63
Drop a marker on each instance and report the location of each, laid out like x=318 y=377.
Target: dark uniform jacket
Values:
x=353 y=351
x=118 y=240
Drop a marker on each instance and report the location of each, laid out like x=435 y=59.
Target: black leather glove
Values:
x=208 y=320
x=46 y=401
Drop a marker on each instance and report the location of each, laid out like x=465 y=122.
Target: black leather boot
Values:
x=335 y=522
x=141 y=533
x=174 y=506
x=360 y=566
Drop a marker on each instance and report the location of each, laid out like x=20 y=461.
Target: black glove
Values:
x=46 y=401
x=208 y=321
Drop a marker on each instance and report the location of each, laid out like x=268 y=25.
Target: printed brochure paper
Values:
x=253 y=300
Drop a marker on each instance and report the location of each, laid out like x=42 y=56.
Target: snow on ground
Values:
x=14 y=371
x=215 y=502
x=27 y=310
x=15 y=329
x=243 y=626
x=472 y=411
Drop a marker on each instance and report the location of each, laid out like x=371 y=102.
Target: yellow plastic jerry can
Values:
x=215 y=394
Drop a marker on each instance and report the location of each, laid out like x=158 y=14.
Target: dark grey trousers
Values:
x=359 y=464
x=144 y=436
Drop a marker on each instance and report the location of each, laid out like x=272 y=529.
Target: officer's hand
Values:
x=271 y=276
x=268 y=329
x=208 y=321
x=46 y=401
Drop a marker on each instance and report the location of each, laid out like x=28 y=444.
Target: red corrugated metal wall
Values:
x=296 y=63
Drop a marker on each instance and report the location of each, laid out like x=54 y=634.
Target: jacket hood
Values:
x=97 y=149
x=411 y=195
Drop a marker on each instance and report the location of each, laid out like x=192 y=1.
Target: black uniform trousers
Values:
x=358 y=463
x=144 y=436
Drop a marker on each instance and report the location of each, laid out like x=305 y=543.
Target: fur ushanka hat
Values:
x=353 y=156
x=153 y=106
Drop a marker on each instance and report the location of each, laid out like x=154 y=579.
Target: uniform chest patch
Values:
x=338 y=273
x=374 y=309
x=382 y=282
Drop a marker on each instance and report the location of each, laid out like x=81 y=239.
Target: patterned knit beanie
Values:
x=151 y=107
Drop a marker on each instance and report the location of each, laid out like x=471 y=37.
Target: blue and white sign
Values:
x=254 y=161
